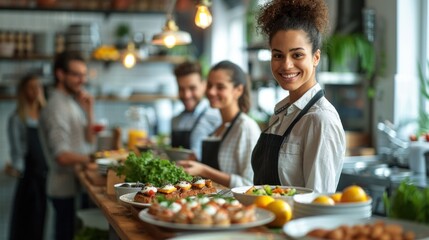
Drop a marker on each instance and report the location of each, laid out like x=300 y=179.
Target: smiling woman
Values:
x=304 y=145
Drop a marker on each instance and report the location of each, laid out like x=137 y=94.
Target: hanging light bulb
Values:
x=171 y=35
x=203 y=17
x=129 y=58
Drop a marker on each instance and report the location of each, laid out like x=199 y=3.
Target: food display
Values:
x=247 y=194
x=268 y=190
x=376 y=230
x=204 y=211
x=118 y=154
x=182 y=189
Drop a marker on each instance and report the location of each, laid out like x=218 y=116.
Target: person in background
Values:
x=66 y=126
x=198 y=120
x=304 y=144
x=29 y=206
x=227 y=151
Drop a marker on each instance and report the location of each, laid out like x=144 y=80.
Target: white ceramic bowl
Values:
x=104 y=164
x=303 y=207
x=175 y=154
x=240 y=194
x=122 y=189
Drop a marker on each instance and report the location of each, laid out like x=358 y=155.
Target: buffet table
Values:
x=123 y=218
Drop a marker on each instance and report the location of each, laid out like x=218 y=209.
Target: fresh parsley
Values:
x=148 y=168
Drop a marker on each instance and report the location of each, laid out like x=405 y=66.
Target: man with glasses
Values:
x=66 y=128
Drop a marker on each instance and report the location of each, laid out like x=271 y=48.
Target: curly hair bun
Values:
x=314 y=12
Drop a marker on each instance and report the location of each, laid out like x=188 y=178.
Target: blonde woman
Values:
x=27 y=157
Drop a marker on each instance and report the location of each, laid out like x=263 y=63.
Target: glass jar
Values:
x=137 y=126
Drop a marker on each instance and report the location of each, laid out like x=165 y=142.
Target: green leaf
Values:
x=150 y=169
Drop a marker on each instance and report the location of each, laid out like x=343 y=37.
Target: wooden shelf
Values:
x=105 y=11
x=150 y=59
x=136 y=98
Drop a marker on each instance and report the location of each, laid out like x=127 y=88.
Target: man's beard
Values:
x=69 y=89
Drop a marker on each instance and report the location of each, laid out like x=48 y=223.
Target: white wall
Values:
x=397 y=39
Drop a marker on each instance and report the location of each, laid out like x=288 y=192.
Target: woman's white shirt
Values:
x=312 y=155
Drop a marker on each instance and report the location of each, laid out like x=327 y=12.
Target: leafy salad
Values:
x=276 y=191
x=150 y=169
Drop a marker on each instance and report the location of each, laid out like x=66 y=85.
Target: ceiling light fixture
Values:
x=203 y=17
x=171 y=35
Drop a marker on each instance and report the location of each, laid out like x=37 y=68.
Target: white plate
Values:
x=129 y=198
x=300 y=227
x=262 y=217
x=228 y=236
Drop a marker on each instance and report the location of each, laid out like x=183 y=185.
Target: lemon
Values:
x=263 y=201
x=323 y=199
x=354 y=193
x=336 y=197
x=282 y=212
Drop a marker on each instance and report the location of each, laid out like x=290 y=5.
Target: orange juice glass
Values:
x=136 y=137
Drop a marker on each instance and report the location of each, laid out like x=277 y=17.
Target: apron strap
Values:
x=304 y=111
x=199 y=118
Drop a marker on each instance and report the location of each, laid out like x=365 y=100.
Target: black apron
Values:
x=183 y=138
x=29 y=208
x=265 y=155
x=210 y=150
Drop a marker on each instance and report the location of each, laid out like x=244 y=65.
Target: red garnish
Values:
x=150 y=193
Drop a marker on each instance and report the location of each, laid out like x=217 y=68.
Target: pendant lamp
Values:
x=171 y=35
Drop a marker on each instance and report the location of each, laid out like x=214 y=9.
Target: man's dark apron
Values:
x=29 y=208
x=183 y=138
x=210 y=151
x=265 y=155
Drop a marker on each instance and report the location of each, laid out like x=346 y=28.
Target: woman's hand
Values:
x=193 y=167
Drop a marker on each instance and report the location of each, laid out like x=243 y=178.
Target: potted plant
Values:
x=122 y=34
x=423 y=121
x=347 y=50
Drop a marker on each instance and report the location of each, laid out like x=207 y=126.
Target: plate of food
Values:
x=247 y=194
x=346 y=227
x=205 y=214
x=129 y=199
x=182 y=189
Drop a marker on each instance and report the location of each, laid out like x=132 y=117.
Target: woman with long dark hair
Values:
x=226 y=152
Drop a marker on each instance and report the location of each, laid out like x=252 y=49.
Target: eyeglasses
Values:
x=76 y=74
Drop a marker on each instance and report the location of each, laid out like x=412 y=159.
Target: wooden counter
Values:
x=123 y=218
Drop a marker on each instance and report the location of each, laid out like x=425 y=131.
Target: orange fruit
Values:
x=323 y=199
x=263 y=201
x=281 y=210
x=336 y=197
x=354 y=193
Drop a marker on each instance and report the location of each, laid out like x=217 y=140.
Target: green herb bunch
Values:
x=150 y=169
x=408 y=202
